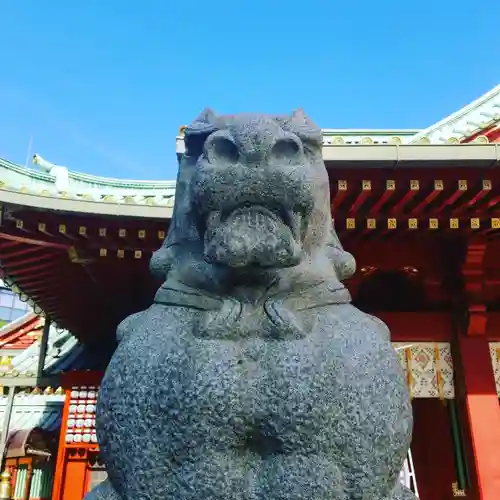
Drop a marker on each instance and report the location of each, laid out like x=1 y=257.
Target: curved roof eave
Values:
x=466 y=122
x=78 y=204
x=86 y=193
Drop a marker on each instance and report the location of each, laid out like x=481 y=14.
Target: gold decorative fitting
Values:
x=475 y=223
x=462 y=185
x=342 y=185
x=24 y=189
x=486 y=185
x=141 y=234
x=5 y=485
x=338 y=141
x=48 y=391
x=59 y=391
x=102 y=231
x=414 y=185
x=390 y=185
x=36 y=391
x=108 y=198
x=42 y=227
x=5 y=361
x=396 y=141
x=103 y=252
x=453 y=140
x=73 y=254
x=438 y=185
x=413 y=223
x=161 y=235
x=182 y=130
x=82 y=231
x=367 y=141
x=62 y=228
x=45 y=192
x=366 y=185
x=391 y=223
x=19 y=224
x=137 y=254
x=122 y=233
x=350 y=223
x=433 y=223
x=120 y=253
x=454 y=223
x=424 y=140
x=481 y=139
x=495 y=223
x=371 y=223
x=456 y=491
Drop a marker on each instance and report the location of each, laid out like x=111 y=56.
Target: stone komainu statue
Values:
x=252 y=376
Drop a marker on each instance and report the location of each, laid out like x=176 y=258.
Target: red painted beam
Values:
x=11 y=266
x=473 y=201
x=415 y=326
x=425 y=202
x=381 y=201
x=40 y=277
x=23 y=251
x=408 y=196
x=31 y=270
x=493 y=202
x=8 y=244
x=361 y=198
x=31 y=241
x=337 y=200
x=454 y=197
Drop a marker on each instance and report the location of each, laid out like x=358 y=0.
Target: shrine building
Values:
x=419 y=210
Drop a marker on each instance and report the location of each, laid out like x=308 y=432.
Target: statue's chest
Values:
x=255 y=378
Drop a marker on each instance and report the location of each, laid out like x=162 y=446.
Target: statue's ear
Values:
x=304 y=127
x=298 y=116
x=203 y=124
x=196 y=133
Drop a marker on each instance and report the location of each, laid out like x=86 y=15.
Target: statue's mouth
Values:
x=253 y=235
x=275 y=212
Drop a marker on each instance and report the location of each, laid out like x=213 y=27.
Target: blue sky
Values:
x=103 y=86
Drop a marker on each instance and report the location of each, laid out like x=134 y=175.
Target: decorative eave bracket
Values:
x=473 y=274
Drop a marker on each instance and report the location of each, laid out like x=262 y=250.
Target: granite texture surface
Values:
x=251 y=376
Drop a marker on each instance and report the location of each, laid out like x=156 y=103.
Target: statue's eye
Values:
x=221 y=149
x=285 y=149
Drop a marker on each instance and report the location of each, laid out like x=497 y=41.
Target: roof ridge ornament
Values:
x=60 y=173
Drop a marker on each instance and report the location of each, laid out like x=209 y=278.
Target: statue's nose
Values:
x=286 y=150
x=281 y=151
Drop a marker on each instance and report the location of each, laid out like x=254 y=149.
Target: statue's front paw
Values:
x=103 y=491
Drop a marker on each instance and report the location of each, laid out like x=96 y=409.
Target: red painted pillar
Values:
x=483 y=413
x=479 y=394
